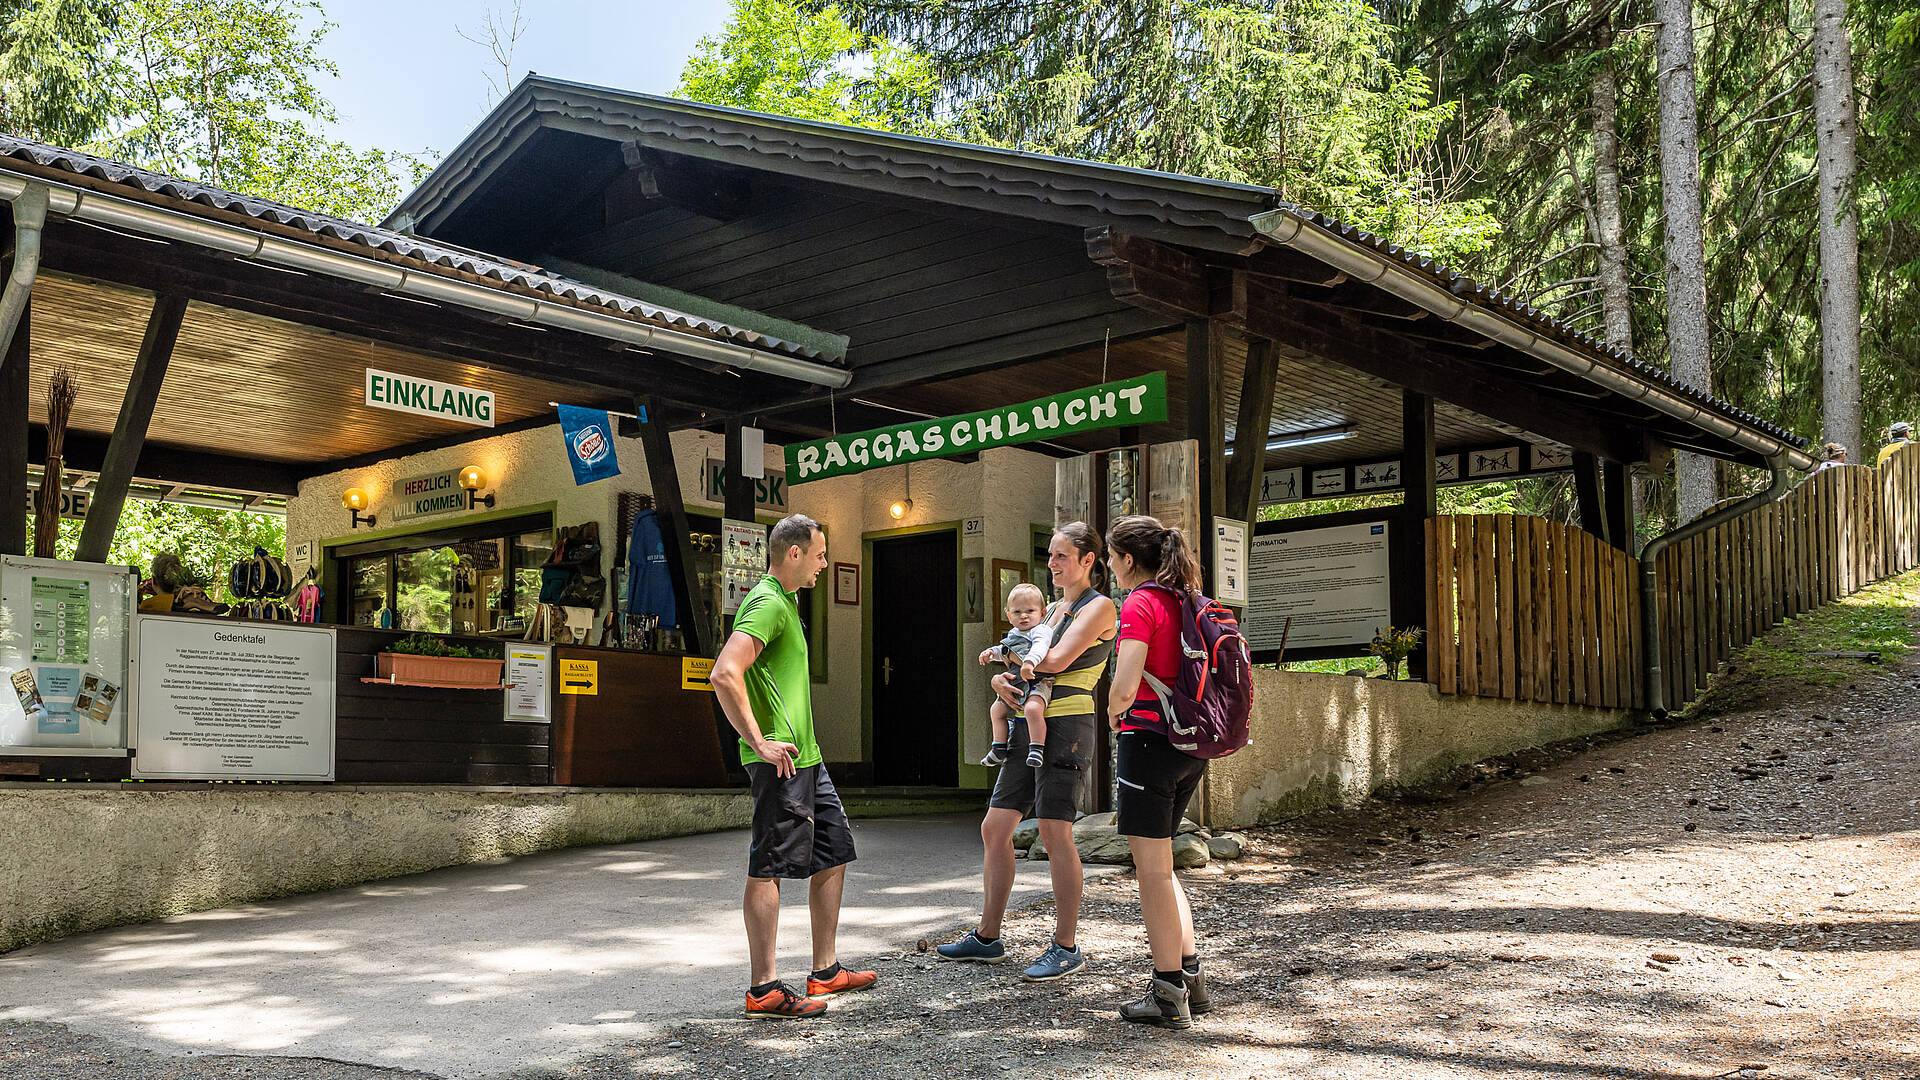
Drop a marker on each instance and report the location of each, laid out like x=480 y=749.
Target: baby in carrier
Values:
x=1023 y=647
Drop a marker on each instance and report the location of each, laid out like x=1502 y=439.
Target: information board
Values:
x=63 y=653
x=232 y=701
x=1334 y=582
x=1230 y=562
x=527 y=668
x=743 y=561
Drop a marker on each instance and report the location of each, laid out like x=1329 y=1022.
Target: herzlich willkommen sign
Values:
x=424 y=397
x=1120 y=403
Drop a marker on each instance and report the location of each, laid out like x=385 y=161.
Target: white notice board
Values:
x=63 y=656
x=232 y=701
x=527 y=669
x=1333 y=581
x=1230 y=562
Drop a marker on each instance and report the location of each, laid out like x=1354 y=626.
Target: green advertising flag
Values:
x=1120 y=403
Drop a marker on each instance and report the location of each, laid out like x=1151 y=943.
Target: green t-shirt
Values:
x=779 y=683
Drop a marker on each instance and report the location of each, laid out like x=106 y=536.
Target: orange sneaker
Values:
x=781 y=1003
x=842 y=981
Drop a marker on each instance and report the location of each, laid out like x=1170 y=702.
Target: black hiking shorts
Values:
x=799 y=826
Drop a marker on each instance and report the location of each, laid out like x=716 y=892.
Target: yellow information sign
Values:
x=580 y=677
x=696 y=673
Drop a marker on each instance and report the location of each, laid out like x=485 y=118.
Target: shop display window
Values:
x=479 y=579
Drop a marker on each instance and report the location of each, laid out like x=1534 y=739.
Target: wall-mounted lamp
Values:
x=356 y=500
x=899 y=507
x=473 y=478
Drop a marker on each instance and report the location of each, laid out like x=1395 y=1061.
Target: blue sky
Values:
x=409 y=82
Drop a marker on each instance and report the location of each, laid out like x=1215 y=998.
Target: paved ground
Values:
x=479 y=969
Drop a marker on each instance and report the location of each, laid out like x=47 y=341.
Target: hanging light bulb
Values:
x=900 y=507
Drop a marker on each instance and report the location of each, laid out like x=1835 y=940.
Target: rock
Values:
x=923 y=945
x=1439 y=965
x=1038 y=850
x=1357 y=672
x=1112 y=851
x=1690 y=826
x=1300 y=969
x=1846 y=890
x=675 y=1044
x=1667 y=957
x=1025 y=833
x=1535 y=781
x=1226 y=846
x=1658 y=966
x=1188 y=825
x=1189 y=852
x=1093 y=824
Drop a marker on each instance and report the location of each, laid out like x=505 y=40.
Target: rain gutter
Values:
x=29 y=218
x=91 y=206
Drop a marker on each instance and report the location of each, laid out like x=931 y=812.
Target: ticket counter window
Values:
x=477 y=580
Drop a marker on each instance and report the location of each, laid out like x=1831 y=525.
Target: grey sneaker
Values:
x=1164 y=1005
x=970 y=947
x=1198 y=1003
x=1056 y=962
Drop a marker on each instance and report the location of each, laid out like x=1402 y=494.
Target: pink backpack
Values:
x=1209 y=707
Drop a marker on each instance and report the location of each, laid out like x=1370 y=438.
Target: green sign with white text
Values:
x=1121 y=403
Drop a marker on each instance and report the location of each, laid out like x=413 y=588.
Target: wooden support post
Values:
x=1586 y=492
x=664 y=475
x=1250 y=432
x=1619 y=505
x=130 y=430
x=1206 y=422
x=1410 y=577
x=13 y=439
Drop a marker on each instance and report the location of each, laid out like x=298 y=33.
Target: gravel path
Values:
x=1735 y=897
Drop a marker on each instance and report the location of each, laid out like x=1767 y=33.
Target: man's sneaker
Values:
x=1055 y=963
x=1198 y=1003
x=1165 y=1005
x=971 y=947
x=781 y=1003
x=842 y=981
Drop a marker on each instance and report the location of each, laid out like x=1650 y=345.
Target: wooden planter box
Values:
x=442 y=671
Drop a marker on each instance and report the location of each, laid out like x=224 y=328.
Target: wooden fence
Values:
x=1524 y=608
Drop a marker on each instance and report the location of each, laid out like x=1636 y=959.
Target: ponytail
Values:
x=1157 y=550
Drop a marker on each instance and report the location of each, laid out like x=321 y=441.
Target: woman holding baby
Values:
x=1083 y=625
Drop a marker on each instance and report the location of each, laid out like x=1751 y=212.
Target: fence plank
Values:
x=1524 y=634
x=1542 y=688
x=1505 y=567
x=1627 y=629
x=1487 y=619
x=1591 y=693
x=1702 y=629
x=1559 y=569
x=1443 y=652
x=1467 y=547
x=1607 y=624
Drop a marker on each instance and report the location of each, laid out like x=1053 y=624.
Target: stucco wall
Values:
x=1329 y=740
x=1011 y=489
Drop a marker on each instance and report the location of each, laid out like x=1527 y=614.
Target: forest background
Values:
x=1528 y=143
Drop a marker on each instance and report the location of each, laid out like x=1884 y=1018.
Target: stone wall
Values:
x=1331 y=740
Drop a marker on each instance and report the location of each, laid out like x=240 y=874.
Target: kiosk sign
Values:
x=1120 y=403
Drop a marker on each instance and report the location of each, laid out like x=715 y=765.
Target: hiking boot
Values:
x=972 y=948
x=1057 y=962
x=781 y=1003
x=1164 y=1005
x=1198 y=1003
x=842 y=981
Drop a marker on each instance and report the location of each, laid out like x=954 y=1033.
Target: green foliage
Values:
x=55 y=68
x=207 y=540
x=425 y=645
x=775 y=57
x=1299 y=95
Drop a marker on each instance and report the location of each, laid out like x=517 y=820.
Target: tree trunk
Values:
x=1687 y=340
x=1835 y=127
x=1616 y=310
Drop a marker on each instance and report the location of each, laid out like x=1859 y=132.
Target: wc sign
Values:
x=769 y=492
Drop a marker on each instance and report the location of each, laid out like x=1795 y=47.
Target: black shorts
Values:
x=799 y=826
x=1155 y=784
x=1053 y=790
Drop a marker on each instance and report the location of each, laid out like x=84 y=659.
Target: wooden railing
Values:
x=1525 y=608
x=1533 y=610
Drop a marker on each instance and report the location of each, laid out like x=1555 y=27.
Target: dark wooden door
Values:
x=916 y=738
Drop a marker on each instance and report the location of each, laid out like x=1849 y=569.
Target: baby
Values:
x=1023 y=647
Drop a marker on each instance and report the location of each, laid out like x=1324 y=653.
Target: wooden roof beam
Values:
x=1270 y=311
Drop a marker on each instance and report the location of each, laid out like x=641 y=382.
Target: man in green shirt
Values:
x=800 y=829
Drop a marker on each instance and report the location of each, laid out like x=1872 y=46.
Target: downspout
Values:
x=29 y=217
x=1649 y=592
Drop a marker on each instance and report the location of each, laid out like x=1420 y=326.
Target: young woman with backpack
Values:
x=1156 y=780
